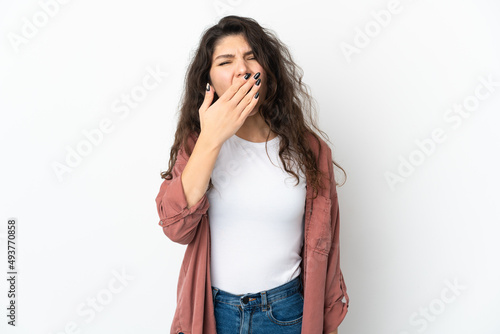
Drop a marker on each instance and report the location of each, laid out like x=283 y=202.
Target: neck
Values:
x=255 y=129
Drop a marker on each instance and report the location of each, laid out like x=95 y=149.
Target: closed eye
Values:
x=227 y=62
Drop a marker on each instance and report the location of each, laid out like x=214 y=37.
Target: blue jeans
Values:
x=277 y=311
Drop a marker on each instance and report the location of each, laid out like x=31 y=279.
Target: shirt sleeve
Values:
x=179 y=222
x=335 y=292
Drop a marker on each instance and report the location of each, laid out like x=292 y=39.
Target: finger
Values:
x=209 y=96
x=234 y=88
x=248 y=98
x=245 y=89
x=249 y=107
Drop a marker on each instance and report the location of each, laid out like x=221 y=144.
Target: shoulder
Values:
x=323 y=153
x=187 y=145
x=319 y=146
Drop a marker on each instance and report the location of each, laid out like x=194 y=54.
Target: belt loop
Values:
x=265 y=306
x=214 y=293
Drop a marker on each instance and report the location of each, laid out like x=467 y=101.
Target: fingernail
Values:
x=247 y=75
x=256 y=95
x=257 y=75
x=257 y=83
x=208 y=86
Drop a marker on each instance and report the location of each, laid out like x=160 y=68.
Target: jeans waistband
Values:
x=262 y=298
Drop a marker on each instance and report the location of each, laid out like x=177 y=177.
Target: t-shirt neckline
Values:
x=271 y=141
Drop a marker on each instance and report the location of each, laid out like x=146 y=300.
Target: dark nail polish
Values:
x=247 y=75
x=257 y=83
x=208 y=86
x=257 y=75
x=257 y=95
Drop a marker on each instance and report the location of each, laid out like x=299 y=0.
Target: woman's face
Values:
x=232 y=59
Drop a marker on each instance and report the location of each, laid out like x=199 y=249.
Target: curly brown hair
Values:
x=283 y=109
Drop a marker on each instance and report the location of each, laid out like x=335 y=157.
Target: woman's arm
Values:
x=196 y=174
x=181 y=211
x=182 y=200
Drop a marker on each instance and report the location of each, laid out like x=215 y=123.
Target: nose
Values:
x=242 y=68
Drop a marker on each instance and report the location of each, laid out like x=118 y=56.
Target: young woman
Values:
x=251 y=190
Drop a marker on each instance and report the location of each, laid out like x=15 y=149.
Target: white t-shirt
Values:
x=256 y=218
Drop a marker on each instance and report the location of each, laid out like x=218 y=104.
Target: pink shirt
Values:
x=323 y=282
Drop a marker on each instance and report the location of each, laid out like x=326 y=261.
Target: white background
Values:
x=399 y=245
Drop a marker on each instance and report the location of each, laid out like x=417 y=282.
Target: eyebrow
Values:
x=232 y=56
